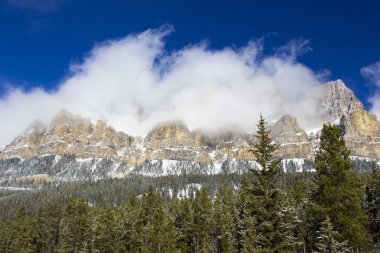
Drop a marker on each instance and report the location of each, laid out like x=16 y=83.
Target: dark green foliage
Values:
x=264 y=204
x=224 y=218
x=372 y=207
x=246 y=225
x=75 y=227
x=160 y=234
x=113 y=191
x=339 y=191
x=149 y=223
x=203 y=223
x=129 y=226
x=297 y=197
x=103 y=228
x=183 y=215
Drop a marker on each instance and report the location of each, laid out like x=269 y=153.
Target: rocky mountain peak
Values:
x=286 y=125
x=169 y=134
x=338 y=100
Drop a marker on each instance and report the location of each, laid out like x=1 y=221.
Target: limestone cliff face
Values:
x=292 y=140
x=360 y=124
x=173 y=141
x=169 y=134
x=362 y=134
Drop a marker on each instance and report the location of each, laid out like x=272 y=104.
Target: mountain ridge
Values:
x=171 y=148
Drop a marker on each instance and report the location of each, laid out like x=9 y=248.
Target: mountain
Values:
x=74 y=148
x=337 y=100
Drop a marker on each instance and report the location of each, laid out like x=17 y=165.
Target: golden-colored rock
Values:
x=293 y=142
x=362 y=134
x=169 y=134
x=368 y=148
x=364 y=123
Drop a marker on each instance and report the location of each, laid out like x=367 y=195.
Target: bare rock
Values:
x=338 y=100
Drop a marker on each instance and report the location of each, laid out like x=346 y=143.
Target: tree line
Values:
x=335 y=211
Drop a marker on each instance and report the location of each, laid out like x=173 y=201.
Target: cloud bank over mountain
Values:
x=134 y=83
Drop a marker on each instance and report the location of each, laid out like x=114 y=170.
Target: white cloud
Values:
x=134 y=83
x=372 y=74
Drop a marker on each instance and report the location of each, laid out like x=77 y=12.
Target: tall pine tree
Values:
x=224 y=213
x=75 y=229
x=338 y=193
x=266 y=200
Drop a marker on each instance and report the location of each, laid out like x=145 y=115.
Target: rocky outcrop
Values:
x=362 y=134
x=337 y=100
x=173 y=141
x=169 y=134
x=293 y=141
x=360 y=124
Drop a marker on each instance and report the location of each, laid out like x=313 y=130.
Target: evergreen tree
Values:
x=130 y=226
x=75 y=227
x=246 y=225
x=288 y=224
x=183 y=221
x=160 y=233
x=48 y=220
x=297 y=199
x=203 y=224
x=28 y=236
x=103 y=229
x=373 y=203
x=338 y=192
x=224 y=213
x=327 y=241
x=266 y=200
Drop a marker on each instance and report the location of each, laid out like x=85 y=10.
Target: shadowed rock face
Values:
x=174 y=148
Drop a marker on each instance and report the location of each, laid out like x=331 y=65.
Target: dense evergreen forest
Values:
x=266 y=210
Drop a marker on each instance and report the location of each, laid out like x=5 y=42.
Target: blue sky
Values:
x=43 y=39
x=40 y=38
